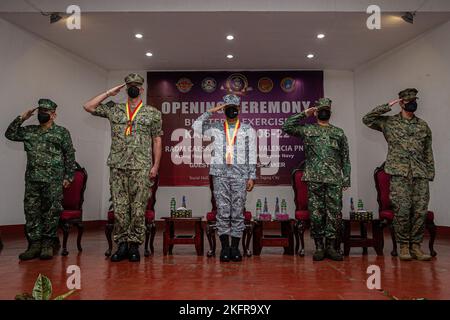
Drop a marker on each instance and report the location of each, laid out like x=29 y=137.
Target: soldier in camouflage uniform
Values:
x=50 y=167
x=327 y=172
x=411 y=166
x=233 y=167
x=136 y=130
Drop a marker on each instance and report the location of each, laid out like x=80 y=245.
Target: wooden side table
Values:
x=361 y=240
x=170 y=238
x=285 y=239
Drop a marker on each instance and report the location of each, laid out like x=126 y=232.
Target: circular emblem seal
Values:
x=184 y=85
x=287 y=84
x=237 y=82
x=209 y=85
x=265 y=85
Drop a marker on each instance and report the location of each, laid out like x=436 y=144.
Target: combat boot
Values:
x=405 y=254
x=417 y=253
x=47 y=250
x=235 y=252
x=331 y=251
x=319 y=254
x=133 y=253
x=121 y=253
x=33 y=252
x=225 y=252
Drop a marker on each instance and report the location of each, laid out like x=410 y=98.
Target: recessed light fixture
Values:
x=139 y=35
x=310 y=56
x=320 y=36
x=149 y=54
x=409 y=17
x=230 y=56
x=230 y=37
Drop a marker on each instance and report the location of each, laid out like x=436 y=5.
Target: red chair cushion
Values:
x=70 y=214
x=150 y=215
x=211 y=216
x=301 y=199
x=302 y=215
x=384 y=181
x=73 y=193
x=389 y=215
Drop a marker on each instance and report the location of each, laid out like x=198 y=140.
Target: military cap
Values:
x=231 y=99
x=47 y=104
x=323 y=103
x=408 y=94
x=134 y=78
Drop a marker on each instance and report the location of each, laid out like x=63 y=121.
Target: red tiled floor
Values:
x=186 y=276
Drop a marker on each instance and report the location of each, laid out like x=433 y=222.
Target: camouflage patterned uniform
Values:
x=327 y=171
x=50 y=160
x=130 y=161
x=410 y=164
x=230 y=180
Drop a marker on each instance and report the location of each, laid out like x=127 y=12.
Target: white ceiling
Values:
x=196 y=41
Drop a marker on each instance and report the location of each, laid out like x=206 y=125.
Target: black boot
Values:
x=225 y=252
x=133 y=253
x=235 y=253
x=331 y=251
x=319 y=254
x=121 y=253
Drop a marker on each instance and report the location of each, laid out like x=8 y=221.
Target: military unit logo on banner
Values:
x=184 y=85
x=237 y=83
x=287 y=84
x=209 y=84
x=265 y=85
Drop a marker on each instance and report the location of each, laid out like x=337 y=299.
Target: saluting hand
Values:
x=218 y=107
x=27 y=114
x=115 y=90
x=310 y=111
x=392 y=103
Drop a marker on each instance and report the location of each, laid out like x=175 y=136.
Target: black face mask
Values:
x=324 y=114
x=133 y=92
x=411 y=106
x=43 y=117
x=231 y=112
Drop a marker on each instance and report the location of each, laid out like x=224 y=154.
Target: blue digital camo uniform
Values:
x=230 y=180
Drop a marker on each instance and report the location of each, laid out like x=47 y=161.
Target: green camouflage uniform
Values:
x=130 y=161
x=327 y=171
x=410 y=164
x=50 y=160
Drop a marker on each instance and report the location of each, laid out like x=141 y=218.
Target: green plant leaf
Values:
x=65 y=295
x=42 y=288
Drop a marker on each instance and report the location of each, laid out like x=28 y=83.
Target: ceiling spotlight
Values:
x=320 y=36
x=409 y=17
x=55 y=17
x=230 y=56
x=310 y=56
x=149 y=54
x=230 y=37
x=139 y=35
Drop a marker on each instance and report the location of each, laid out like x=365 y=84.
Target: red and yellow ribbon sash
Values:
x=230 y=141
x=130 y=116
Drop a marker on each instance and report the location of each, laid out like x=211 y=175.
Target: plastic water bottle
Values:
x=283 y=206
x=277 y=205
x=352 y=205
x=183 y=202
x=173 y=205
x=258 y=207
x=266 y=209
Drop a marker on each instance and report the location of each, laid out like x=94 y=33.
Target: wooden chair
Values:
x=386 y=214
x=150 y=226
x=72 y=214
x=211 y=227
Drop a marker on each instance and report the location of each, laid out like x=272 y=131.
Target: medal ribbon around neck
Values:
x=131 y=116
x=230 y=141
